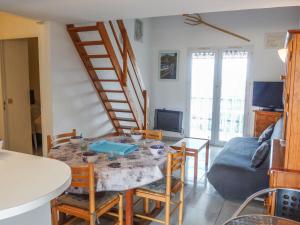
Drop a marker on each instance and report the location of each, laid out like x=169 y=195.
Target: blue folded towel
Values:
x=115 y=148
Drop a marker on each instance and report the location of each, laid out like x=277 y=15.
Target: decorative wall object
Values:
x=196 y=19
x=138 y=30
x=275 y=40
x=168 y=65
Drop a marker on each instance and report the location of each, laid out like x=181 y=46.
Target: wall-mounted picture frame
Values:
x=275 y=40
x=168 y=65
x=138 y=30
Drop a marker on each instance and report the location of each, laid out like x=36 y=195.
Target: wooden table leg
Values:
x=129 y=207
x=207 y=155
x=195 y=165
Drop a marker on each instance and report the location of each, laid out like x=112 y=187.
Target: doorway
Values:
x=218 y=93
x=20 y=88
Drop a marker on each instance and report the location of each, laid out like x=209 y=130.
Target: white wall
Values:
x=170 y=33
x=299 y=18
x=75 y=103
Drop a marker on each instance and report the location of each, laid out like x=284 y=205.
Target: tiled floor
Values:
x=203 y=205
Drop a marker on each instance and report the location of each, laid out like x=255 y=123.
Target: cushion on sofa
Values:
x=261 y=154
x=266 y=135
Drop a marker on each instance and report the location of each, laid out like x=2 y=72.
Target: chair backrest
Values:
x=287 y=204
x=176 y=161
x=56 y=140
x=83 y=177
x=151 y=134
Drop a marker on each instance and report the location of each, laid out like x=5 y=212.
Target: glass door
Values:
x=233 y=94
x=218 y=93
x=202 y=89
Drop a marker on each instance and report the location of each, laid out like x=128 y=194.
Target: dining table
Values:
x=122 y=173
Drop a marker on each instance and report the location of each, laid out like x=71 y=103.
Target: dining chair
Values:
x=56 y=140
x=87 y=206
x=151 y=134
x=287 y=203
x=164 y=190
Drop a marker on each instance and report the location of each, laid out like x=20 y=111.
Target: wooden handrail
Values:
x=146 y=113
x=115 y=62
x=126 y=52
x=125 y=59
x=122 y=52
x=131 y=54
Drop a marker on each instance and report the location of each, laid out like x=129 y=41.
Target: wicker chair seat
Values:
x=160 y=186
x=82 y=201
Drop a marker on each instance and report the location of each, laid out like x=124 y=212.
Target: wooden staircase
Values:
x=117 y=99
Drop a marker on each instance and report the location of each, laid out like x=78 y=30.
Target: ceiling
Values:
x=81 y=11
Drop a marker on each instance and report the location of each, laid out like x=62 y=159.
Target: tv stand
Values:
x=263 y=119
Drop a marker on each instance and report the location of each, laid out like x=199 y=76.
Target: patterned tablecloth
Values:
x=133 y=170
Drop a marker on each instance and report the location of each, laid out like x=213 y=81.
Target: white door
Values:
x=218 y=94
x=16 y=95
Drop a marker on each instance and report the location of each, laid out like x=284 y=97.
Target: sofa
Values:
x=232 y=173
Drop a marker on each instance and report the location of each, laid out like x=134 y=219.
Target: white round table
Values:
x=29 y=182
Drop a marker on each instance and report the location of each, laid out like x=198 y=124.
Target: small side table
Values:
x=193 y=147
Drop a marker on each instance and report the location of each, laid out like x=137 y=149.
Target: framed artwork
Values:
x=275 y=40
x=138 y=30
x=168 y=65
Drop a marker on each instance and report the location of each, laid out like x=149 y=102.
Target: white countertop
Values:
x=28 y=182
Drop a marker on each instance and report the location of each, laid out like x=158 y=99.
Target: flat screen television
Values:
x=168 y=120
x=268 y=95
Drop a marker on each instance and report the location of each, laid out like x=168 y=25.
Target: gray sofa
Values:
x=231 y=173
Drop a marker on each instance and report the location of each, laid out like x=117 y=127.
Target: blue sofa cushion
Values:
x=266 y=135
x=261 y=154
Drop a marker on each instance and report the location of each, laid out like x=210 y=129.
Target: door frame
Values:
x=217 y=90
x=2 y=95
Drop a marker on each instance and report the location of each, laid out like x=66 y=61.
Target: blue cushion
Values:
x=266 y=135
x=261 y=154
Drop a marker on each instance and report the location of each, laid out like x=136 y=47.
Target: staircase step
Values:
x=106 y=80
x=97 y=56
x=124 y=119
x=120 y=110
x=103 y=68
x=83 y=29
x=87 y=43
x=126 y=127
x=113 y=91
x=116 y=101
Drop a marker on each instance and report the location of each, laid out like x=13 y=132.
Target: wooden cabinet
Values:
x=263 y=119
x=285 y=162
x=292 y=102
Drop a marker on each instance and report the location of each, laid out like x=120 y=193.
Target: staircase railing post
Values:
x=145 y=111
x=125 y=58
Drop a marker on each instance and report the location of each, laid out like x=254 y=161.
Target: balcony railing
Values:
x=231 y=121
